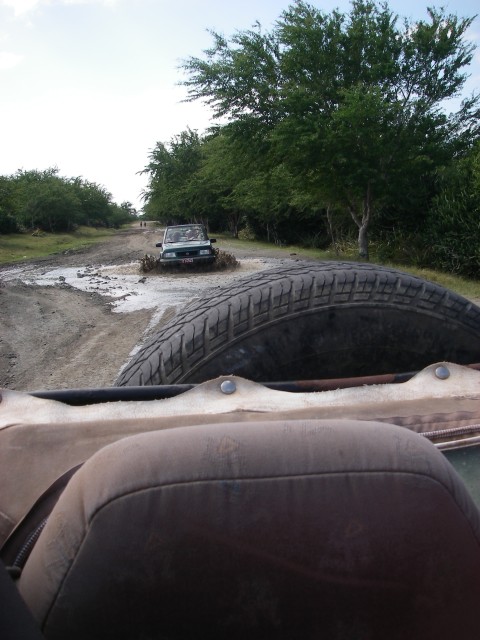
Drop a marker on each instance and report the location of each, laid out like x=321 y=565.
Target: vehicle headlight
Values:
x=170 y=254
x=204 y=252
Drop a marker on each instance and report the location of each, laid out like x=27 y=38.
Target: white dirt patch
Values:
x=126 y=289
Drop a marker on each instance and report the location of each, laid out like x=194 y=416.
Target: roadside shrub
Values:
x=247 y=233
x=399 y=247
x=8 y=223
x=452 y=235
x=452 y=232
x=455 y=250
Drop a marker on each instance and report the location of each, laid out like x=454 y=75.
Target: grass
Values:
x=17 y=247
x=465 y=287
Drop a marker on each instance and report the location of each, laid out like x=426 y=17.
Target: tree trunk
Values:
x=233 y=222
x=363 y=242
x=330 y=229
x=362 y=223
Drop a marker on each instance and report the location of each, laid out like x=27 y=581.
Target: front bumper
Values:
x=187 y=260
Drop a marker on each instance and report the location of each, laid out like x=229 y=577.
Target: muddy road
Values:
x=74 y=320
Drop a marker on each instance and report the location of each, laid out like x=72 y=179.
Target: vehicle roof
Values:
x=179 y=226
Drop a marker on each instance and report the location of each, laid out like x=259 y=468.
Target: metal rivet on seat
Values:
x=442 y=372
x=228 y=386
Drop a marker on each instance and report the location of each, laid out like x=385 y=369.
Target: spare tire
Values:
x=311 y=321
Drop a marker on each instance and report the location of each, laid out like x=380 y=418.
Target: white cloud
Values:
x=9 y=60
x=94 y=135
x=21 y=7
x=108 y=3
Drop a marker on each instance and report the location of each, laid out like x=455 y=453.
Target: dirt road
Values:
x=75 y=319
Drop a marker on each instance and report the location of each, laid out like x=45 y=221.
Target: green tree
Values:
x=120 y=214
x=46 y=200
x=171 y=167
x=452 y=235
x=221 y=178
x=95 y=202
x=8 y=220
x=53 y=206
x=352 y=105
x=128 y=208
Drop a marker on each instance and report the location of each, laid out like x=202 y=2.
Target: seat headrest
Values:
x=307 y=529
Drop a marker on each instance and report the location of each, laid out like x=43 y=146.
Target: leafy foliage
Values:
x=171 y=169
x=453 y=230
x=323 y=117
x=45 y=200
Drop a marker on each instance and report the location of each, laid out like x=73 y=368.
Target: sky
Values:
x=90 y=86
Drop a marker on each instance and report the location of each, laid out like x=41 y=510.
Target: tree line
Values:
x=332 y=127
x=45 y=200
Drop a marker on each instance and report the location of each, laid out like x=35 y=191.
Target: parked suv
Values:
x=186 y=244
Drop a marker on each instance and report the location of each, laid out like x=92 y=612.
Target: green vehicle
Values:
x=186 y=244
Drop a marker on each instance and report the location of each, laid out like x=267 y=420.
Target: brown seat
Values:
x=312 y=529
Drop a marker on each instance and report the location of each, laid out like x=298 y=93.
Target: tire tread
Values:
x=205 y=327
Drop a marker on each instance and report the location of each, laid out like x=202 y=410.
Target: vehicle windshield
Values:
x=186 y=233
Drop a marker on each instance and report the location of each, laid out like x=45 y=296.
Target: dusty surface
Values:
x=75 y=319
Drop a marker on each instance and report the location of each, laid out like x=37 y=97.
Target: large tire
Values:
x=312 y=321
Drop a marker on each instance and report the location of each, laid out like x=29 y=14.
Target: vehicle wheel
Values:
x=312 y=321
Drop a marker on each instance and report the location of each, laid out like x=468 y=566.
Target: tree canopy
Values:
x=44 y=199
x=353 y=105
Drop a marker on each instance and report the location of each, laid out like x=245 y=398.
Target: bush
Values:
x=8 y=223
x=399 y=247
x=455 y=250
x=452 y=234
x=246 y=233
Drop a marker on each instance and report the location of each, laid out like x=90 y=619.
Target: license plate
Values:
x=187 y=260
